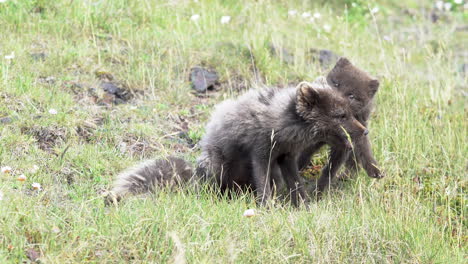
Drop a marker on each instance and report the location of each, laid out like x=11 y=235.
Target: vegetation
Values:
x=60 y=128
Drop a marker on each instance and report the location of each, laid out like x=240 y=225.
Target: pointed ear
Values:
x=307 y=95
x=374 y=86
x=342 y=62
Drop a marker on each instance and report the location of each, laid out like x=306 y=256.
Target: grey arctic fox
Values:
x=256 y=139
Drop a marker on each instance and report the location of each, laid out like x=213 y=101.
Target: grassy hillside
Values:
x=61 y=129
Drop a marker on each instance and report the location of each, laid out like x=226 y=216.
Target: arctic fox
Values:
x=359 y=88
x=250 y=140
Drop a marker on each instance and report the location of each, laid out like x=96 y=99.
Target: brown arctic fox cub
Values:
x=146 y=176
x=359 y=89
x=251 y=140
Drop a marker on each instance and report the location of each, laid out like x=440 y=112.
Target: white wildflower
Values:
x=312 y=19
x=374 y=10
x=447 y=6
x=195 y=17
x=387 y=38
x=249 y=213
x=225 y=19
x=11 y=56
x=55 y=229
x=458 y=2
x=317 y=15
x=21 y=178
x=34 y=169
x=3 y=1
x=133 y=107
x=353 y=4
x=6 y=169
x=448 y=191
x=292 y=12
x=53 y=111
x=439 y=5
x=306 y=14
x=36 y=186
x=327 y=28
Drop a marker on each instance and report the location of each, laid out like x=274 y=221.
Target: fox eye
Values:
x=336 y=84
x=351 y=97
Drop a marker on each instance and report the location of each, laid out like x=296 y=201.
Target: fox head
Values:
x=353 y=83
x=330 y=114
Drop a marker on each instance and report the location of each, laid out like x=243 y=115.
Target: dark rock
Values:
x=115 y=93
x=110 y=87
x=326 y=58
x=38 y=56
x=203 y=80
x=32 y=254
x=6 y=120
x=282 y=53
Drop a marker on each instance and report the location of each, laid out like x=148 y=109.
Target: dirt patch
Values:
x=46 y=137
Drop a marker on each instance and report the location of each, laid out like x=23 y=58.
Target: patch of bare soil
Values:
x=46 y=137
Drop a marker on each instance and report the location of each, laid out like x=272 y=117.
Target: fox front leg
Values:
x=336 y=159
x=290 y=172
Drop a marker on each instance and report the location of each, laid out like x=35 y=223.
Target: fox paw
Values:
x=375 y=172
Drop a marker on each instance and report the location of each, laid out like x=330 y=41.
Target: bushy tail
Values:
x=144 y=177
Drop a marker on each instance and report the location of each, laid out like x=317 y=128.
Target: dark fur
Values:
x=260 y=135
x=146 y=176
x=359 y=88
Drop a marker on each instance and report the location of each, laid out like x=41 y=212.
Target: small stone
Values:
x=53 y=111
x=249 y=213
x=282 y=53
x=325 y=57
x=32 y=254
x=38 y=56
x=110 y=87
x=6 y=120
x=203 y=80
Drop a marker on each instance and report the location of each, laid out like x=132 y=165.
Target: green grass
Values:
x=417 y=214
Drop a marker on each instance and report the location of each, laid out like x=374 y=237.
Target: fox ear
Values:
x=374 y=86
x=307 y=95
x=343 y=61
